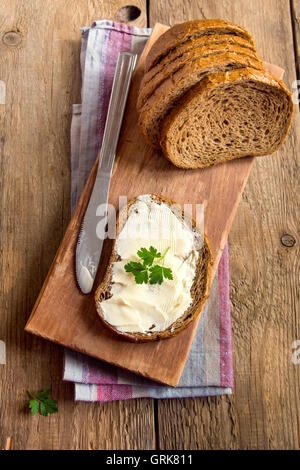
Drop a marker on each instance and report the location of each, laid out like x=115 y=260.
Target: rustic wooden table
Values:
x=39 y=57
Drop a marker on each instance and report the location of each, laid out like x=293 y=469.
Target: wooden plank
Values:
x=39 y=57
x=295 y=7
x=263 y=411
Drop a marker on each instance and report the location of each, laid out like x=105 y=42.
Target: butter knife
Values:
x=90 y=241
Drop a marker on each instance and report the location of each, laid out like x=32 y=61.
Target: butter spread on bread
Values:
x=143 y=311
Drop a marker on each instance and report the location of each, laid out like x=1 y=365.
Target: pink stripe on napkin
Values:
x=117 y=42
x=114 y=392
x=226 y=370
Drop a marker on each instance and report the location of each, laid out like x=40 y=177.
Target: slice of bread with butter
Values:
x=173 y=278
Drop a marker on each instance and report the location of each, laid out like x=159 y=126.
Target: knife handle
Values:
x=122 y=78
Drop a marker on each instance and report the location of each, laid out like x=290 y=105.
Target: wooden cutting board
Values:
x=64 y=315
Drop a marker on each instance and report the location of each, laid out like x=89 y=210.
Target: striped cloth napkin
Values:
x=208 y=370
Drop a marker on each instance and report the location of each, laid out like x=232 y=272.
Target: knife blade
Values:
x=92 y=232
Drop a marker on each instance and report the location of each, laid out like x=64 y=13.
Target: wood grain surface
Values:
x=295 y=12
x=39 y=62
x=263 y=411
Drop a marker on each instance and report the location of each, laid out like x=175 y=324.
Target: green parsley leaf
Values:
x=42 y=403
x=148 y=255
x=34 y=406
x=44 y=394
x=139 y=271
x=51 y=405
x=157 y=274
x=43 y=409
x=167 y=272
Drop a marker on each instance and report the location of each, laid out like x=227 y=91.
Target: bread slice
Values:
x=228 y=115
x=201 y=283
x=165 y=96
x=196 y=43
x=148 y=85
x=183 y=32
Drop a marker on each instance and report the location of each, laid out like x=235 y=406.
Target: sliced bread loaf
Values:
x=193 y=44
x=169 y=69
x=148 y=312
x=228 y=115
x=183 y=32
x=165 y=96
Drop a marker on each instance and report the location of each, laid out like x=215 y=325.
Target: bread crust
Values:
x=150 y=83
x=194 y=43
x=210 y=82
x=172 y=89
x=103 y=289
x=181 y=32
